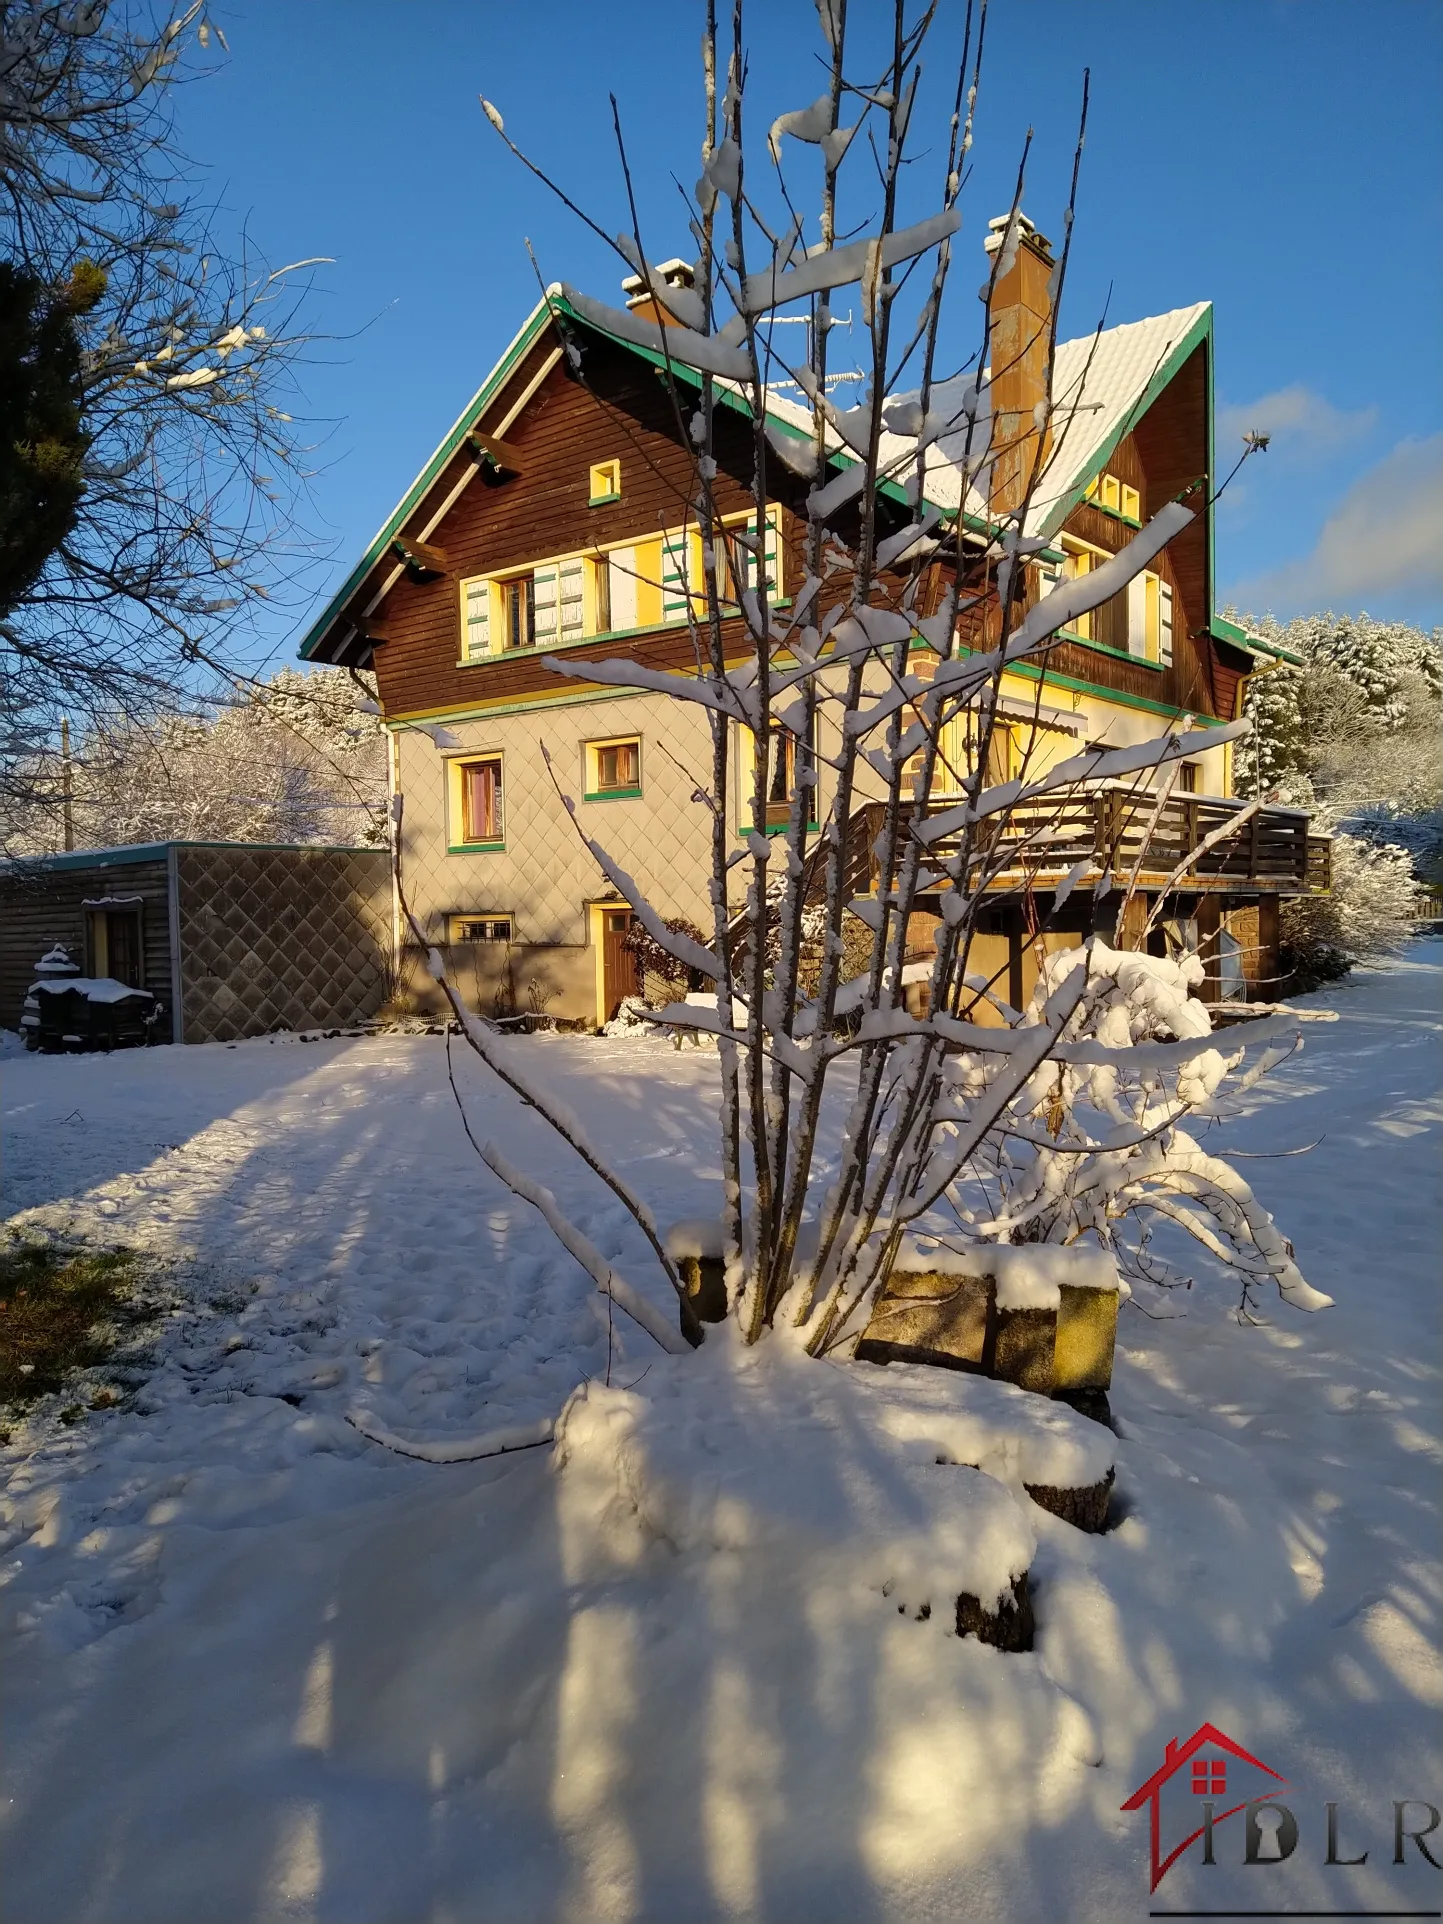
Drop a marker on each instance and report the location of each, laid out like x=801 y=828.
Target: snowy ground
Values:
x=257 y=1668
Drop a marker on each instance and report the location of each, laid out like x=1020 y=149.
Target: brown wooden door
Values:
x=618 y=964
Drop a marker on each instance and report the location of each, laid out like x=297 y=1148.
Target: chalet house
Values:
x=552 y=526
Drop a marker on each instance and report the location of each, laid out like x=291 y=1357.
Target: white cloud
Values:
x=1385 y=538
x=1300 y=422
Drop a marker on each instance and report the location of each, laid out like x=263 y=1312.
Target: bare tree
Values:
x=812 y=966
x=190 y=465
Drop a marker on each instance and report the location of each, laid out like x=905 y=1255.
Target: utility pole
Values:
x=67 y=789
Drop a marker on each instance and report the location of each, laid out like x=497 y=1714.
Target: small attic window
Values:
x=605 y=483
x=1115 y=497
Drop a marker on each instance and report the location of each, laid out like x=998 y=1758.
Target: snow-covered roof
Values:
x=1102 y=383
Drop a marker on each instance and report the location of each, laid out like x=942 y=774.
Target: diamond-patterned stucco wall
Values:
x=286 y=938
x=544 y=877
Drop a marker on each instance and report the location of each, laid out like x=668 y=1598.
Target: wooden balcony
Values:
x=1270 y=853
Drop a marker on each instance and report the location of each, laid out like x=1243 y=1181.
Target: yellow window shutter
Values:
x=648 y=583
x=746 y=776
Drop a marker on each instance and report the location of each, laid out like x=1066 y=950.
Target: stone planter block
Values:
x=923 y=1316
x=1086 y=1335
x=1026 y=1342
x=706 y=1286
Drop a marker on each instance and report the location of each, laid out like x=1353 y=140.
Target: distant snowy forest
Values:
x=1355 y=734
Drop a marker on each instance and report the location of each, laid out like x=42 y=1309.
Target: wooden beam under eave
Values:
x=494 y=456
x=423 y=561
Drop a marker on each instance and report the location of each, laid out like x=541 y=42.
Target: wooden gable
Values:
x=1165 y=455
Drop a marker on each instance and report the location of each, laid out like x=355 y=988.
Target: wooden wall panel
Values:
x=41 y=906
x=623 y=411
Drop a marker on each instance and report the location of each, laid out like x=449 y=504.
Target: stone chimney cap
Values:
x=676 y=273
x=997 y=230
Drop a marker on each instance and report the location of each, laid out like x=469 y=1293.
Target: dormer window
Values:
x=605 y=483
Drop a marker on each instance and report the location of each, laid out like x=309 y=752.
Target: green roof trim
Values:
x=133 y=853
x=1256 y=644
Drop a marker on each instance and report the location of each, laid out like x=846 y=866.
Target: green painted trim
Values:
x=423 y=717
x=601 y=500
x=778 y=828
x=1240 y=637
x=531 y=329
x=614 y=795
x=1101 y=648
x=1031 y=672
x=1114 y=514
x=1072 y=497
x=476 y=848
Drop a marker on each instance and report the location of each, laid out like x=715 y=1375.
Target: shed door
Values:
x=618 y=964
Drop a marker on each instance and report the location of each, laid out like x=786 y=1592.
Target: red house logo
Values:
x=1210 y=1776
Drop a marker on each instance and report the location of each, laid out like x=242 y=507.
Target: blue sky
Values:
x=1281 y=158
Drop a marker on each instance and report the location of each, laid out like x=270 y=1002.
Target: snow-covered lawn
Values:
x=257 y=1668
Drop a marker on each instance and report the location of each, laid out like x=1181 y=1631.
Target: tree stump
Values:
x=1086 y=1509
x=1009 y=1626
x=704 y=1278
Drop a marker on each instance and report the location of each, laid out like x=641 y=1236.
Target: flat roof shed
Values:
x=234 y=938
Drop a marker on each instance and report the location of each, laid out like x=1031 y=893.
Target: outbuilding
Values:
x=232 y=938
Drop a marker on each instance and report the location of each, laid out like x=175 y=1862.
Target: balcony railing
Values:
x=1269 y=852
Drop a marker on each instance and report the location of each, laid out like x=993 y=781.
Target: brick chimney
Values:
x=641 y=300
x=1020 y=333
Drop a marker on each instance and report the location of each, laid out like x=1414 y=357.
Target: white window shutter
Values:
x=476 y=640
x=622 y=567
x=572 y=586
x=1164 y=624
x=1137 y=616
x=546 y=604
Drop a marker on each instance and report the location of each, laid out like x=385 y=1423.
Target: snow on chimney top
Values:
x=676 y=273
x=997 y=232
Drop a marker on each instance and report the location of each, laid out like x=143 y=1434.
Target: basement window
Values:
x=479 y=928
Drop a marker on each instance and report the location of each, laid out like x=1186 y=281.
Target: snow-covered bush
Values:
x=1353 y=731
x=814 y=969
x=1370 y=909
x=1319 y=722
x=1096 y=1144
